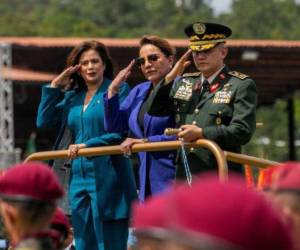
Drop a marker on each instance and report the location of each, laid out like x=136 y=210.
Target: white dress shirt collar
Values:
x=213 y=76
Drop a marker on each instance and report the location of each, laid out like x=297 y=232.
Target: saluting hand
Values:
x=179 y=67
x=63 y=79
x=121 y=77
x=190 y=133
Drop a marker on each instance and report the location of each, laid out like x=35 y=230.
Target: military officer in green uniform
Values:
x=215 y=103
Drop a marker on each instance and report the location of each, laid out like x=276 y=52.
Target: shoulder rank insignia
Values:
x=194 y=74
x=238 y=75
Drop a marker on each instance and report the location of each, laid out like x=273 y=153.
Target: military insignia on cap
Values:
x=199 y=28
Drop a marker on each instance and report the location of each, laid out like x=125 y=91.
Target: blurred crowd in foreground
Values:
x=209 y=215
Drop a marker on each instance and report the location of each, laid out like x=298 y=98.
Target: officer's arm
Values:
x=162 y=103
x=242 y=125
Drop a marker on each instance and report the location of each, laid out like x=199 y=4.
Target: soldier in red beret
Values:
x=149 y=221
x=286 y=196
x=213 y=215
x=28 y=195
x=60 y=223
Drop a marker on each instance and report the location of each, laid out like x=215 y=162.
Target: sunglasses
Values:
x=140 y=61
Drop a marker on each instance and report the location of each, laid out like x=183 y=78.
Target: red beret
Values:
x=288 y=177
x=150 y=217
x=60 y=219
x=228 y=214
x=30 y=181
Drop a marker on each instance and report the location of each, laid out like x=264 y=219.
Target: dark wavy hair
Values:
x=75 y=54
x=166 y=48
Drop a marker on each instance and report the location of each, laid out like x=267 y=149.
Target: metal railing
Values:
x=143 y=147
x=220 y=155
x=249 y=160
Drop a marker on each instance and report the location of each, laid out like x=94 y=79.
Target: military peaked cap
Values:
x=205 y=36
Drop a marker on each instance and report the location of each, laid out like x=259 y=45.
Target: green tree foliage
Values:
x=271 y=140
x=264 y=19
x=254 y=19
x=19 y=18
x=96 y=18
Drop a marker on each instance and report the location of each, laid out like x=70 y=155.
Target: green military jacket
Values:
x=226 y=113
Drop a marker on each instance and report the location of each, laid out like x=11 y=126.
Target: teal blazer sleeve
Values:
x=51 y=108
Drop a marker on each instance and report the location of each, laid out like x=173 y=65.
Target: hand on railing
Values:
x=73 y=150
x=127 y=145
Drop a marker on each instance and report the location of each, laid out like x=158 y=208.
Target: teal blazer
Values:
x=111 y=175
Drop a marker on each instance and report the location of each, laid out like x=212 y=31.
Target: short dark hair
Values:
x=160 y=43
x=33 y=212
x=75 y=54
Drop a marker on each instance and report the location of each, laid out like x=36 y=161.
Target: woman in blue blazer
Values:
x=156 y=169
x=101 y=188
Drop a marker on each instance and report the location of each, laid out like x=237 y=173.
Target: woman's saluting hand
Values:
x=63 y=80
x=121 y=77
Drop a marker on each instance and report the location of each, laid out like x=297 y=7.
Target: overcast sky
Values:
x=220 y=5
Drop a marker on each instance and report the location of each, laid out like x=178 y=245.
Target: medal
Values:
x=184 y=92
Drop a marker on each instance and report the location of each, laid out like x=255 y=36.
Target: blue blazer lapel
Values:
x=147 y=118
x=142 y=97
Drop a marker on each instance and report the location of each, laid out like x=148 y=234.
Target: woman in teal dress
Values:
x=102 y=188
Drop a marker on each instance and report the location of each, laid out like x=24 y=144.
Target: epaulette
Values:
x=238 y=75
x=194 y=74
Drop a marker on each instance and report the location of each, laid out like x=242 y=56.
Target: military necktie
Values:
x=201 y=91
x=205 y=89
x=205 y=86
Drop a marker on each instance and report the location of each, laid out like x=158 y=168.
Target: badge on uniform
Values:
x=218 y=121
x=214 y=87
x=222 y=97
x=184 y=92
